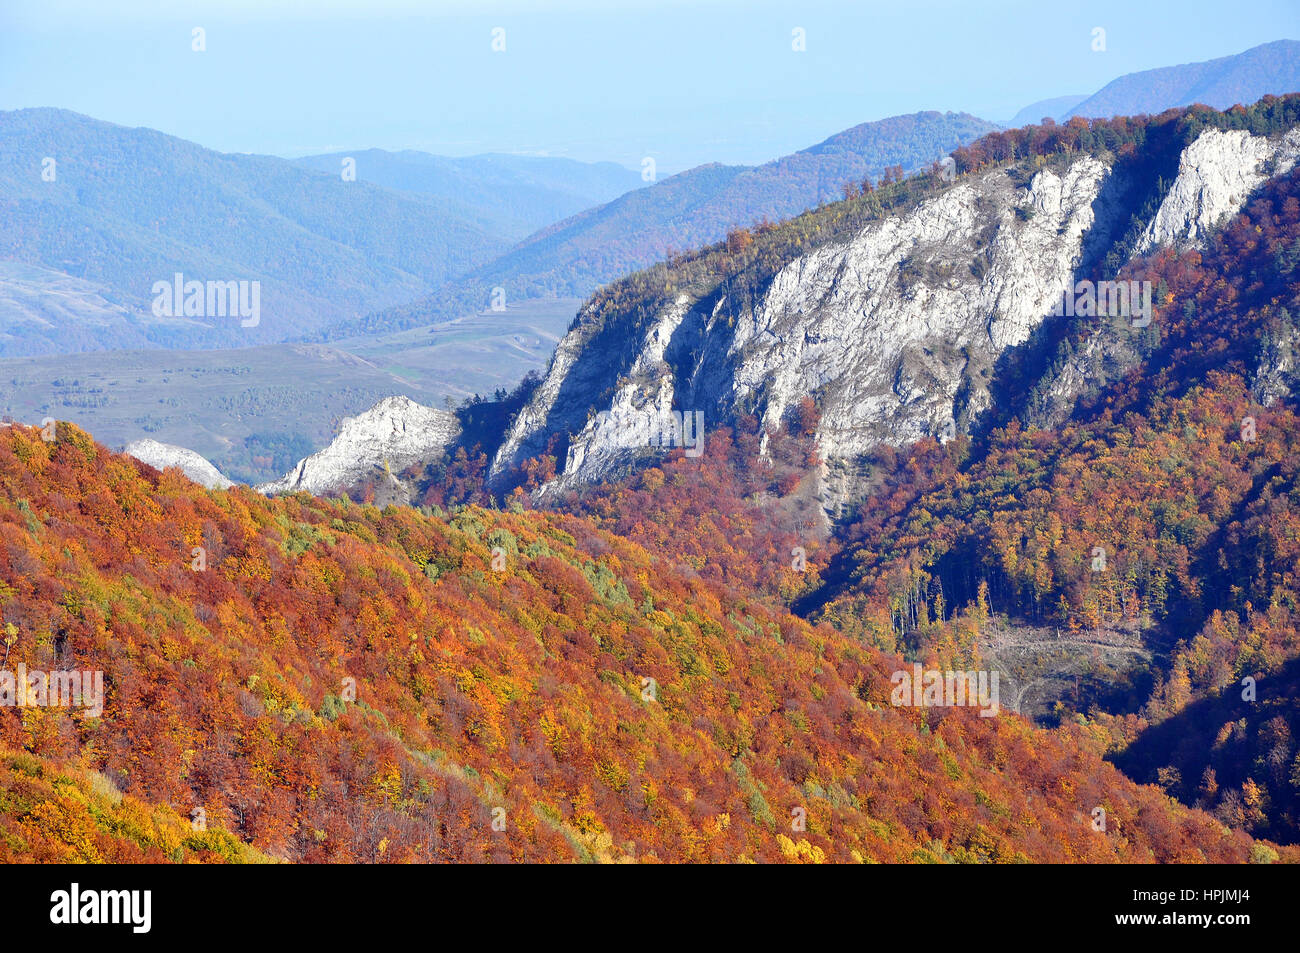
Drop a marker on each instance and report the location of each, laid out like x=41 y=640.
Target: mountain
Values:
x=124 y=209
x=895 y=309
x=337 y=683
x=160 y=456
x=1272 y=68
x=573 y=257
x=512 y=196
x=1101 y=505
x=392 y=435
x=1034 y=113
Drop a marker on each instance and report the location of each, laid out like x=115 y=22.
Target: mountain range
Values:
x=1267 y=69
x=96 y=214
x=124 y=209
x=699 y=206
x=247 y=401
x=1022 y=423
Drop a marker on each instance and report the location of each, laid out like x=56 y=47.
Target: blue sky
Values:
x=709 y=80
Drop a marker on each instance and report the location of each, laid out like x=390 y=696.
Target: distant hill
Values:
x=513 y=196
x=130 y=207
x=1035 y=112
x=693 y=208
x=82 y=245
x=1243 y=78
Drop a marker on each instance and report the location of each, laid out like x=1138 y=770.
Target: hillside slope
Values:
x=1140 y=498
x=335 y=683
x=1271 y=68
x=900 y=311
x=1105 y=510
x=1117 y=533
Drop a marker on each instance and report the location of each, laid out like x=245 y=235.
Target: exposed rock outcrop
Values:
x=1277 y=374
x=897 y=330
x=1216 y=174
x=387 y=438
x=160 y=456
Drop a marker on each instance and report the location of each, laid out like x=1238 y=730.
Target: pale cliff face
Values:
x=160 y=456
x=396 y=431
x=888 y=326
x=1216 y=174
x=895 y=329
x=893 y=350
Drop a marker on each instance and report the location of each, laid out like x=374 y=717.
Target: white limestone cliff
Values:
x=1216 y=174
x=160 y=456
x=897 y=329
x=393 y=434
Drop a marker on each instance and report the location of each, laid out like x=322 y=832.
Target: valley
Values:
x=254 y=412
x=530 y=510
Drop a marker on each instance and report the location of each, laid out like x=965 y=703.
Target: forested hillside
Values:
x=330 y=682
x=1128 y=493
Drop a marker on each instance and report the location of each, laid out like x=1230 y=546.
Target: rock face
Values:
x=1277 y=374
x=1215 y=175
x=896 y=330
x=899 y=326
x=388 y=437
x=160 y=456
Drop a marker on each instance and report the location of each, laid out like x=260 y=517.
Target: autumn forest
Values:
x=690 y=662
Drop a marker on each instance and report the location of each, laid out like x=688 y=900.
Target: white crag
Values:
x=895 y=323
x=160 y=456
x=896 y=330
x=636 y=415
x=392 y=435
x=1216 y=174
